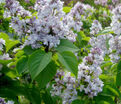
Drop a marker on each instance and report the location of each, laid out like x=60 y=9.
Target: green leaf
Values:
x=66 y=9
x=118 y=77
x=38 y=61
x=10 y=89
x=66 y=45
x=5 y=62
x=46 y=75
x=28 y=50
x=78 y=102
x=33 y=95
x=19 y=53
x=47 y=98
x=4 y=36
x=22 y=64
x=103 y=102
x=10 y=44
x=102 y=97
x=68 y=59
x=112 y=91
x=81 y=39
x=105 y=31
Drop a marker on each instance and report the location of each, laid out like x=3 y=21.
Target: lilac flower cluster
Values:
x=101 y=2
x=109 y=44
x=115 y=1
x=15 y=9
x=95 y=28
x=115 y=42
x=116 y=20
x=81 y=9
x=46 y=28
x=111 y=4
x=88 y=80
x=2 y=101
x=101 y=42
x=65 y=87
x=77 y=14
x=115 y=48
x=89 y=71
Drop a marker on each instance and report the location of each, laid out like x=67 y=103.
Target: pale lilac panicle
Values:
x=95 y=28
x=77 y=14
x=18 y=25
x=77 y=10
x=51 y=27
x=80 y=9
x=115 y=48
x=6 y=14
x=47 y=28
x=57 y=88
x=101 y=2
x=73 y=24
x=88 y=72
x=64 y=87
x=101 y=42
x=16 y=9
x=116 y=20
x=2 y=101
x=115 y=1
x=115 y=42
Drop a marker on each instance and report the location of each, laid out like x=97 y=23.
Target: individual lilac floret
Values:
x=10 y=102
x=5 y=57
x=2 y=43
